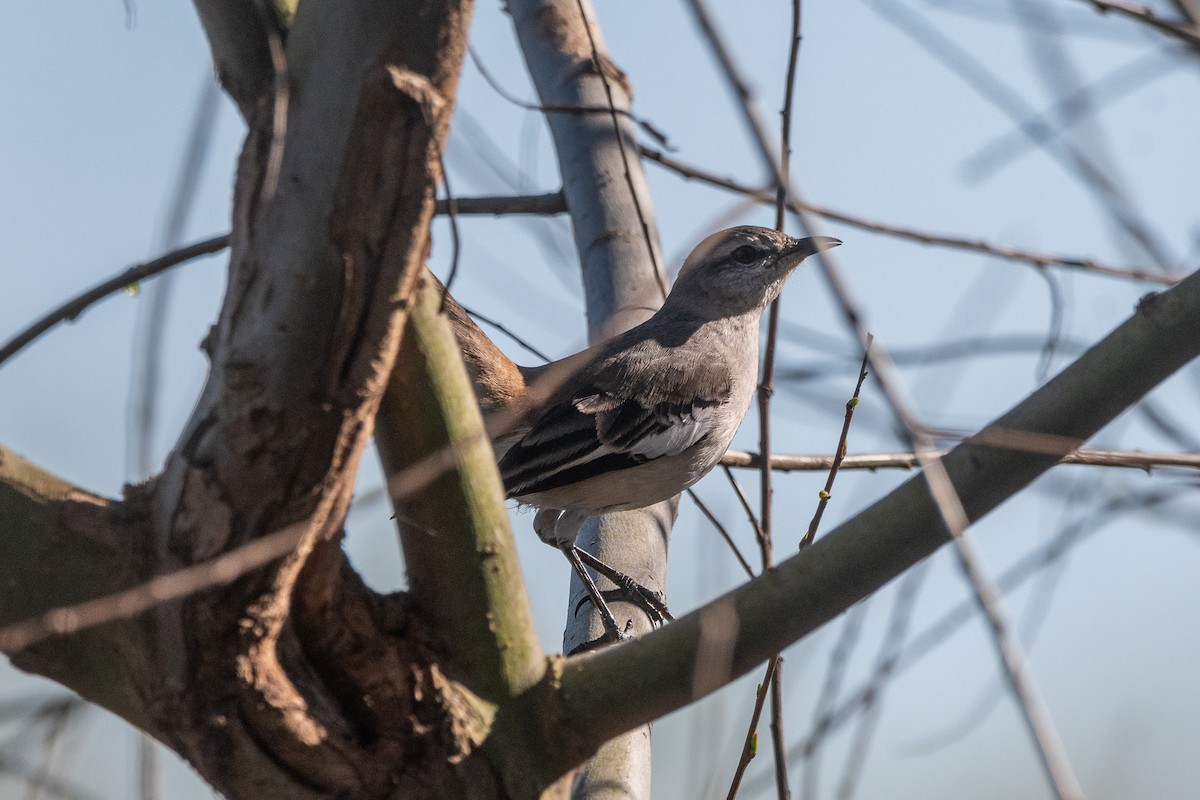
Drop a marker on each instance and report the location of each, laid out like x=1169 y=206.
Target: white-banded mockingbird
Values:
x=638 y=419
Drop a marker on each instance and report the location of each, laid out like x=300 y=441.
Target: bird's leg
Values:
x=649 y=601
x=612 y=631
x=566 y=529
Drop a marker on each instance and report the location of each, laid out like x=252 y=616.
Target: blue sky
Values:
x=96 y=116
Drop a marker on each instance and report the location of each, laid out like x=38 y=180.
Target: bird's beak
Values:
x=803 y=248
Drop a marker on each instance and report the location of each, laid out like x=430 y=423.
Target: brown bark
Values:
x=294 y=680
x=323 y=264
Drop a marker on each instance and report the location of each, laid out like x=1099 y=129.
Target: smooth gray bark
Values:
x=621 y=262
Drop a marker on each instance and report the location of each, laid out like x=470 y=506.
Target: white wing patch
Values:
x=677 y=434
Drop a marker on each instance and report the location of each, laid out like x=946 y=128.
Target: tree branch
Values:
x=71 y=309
x=783 y=462
x=453 y=524
x=240 y=53
x=616 y=689
x=59 y=545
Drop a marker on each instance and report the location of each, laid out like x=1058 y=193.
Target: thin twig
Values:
x=507 y=332
x=750 y=745
x=552 y=204
x=1133 y=459
x=77 y=305
x=1184 y=33
x=949 y=506
x=924 y=237
x=965 y=65
x=647 y=127
x=616 y=125
x=549 y=204
x=451 y=205
x=775 y=682
x=716 y=523
x=840 y=455
x=921 y=355
x=962 y=614
x=744 y=501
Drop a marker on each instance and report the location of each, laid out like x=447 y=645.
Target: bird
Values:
x=645 y=415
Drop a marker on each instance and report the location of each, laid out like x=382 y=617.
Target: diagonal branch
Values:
x=614 y=690
x=952 y=514
x=454 y=527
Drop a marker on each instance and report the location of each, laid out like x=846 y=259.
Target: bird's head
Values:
x=741 y=269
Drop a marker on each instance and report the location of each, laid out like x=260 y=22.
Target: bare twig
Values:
x=939 y=631
x=558 y=108
x=924 y=237
x=1176 y=30
x=989 y=86
x=781 y=462
x=507 y=332
x=949 y=505
x=774 y=678
x=921 y=355
x=76 y=306
x=628 y=174
x=744 y=501
x=716 y=523
x=750 y=745
x=547 y=205
x=840 y=455
x=451 y=210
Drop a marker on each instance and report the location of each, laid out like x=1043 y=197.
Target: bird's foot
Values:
x=612 y=631
x=653 y=603
x=600 y=641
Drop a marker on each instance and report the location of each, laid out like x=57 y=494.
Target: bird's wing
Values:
x=623 y=410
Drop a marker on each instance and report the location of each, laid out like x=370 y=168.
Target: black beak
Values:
x=803 y=248
x=816 y=244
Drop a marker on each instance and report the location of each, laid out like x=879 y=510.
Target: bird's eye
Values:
x=745 y=254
